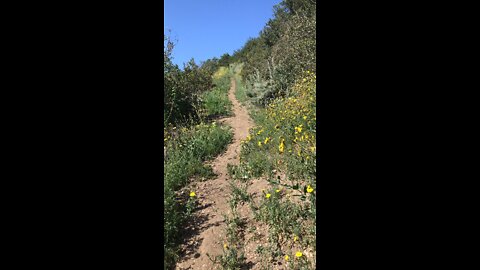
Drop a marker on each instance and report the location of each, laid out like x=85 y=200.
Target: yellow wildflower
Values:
x=278 y=190
x=192 y=194
x=298 y=254
x=281 y=147
x=266 y=140
x=295 y=238
x=260 y=143
x=309 y=189
x=286 y=257
x=268 y=195
x=304 y=117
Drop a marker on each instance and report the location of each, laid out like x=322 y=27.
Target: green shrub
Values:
x=182 y=89
x=216 y=102
x=284 y=49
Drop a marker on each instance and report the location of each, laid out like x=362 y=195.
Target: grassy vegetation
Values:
x=215 y=101
x=284 y=49
x=282 y=148
x=277 y=84
x=233 y=257
x=240 y=92
x=187 y=147
x=186 y=152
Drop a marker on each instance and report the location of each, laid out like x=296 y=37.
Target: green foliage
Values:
x=210 y=65
x=285 y=48
x=186 y=151
x=239 y=194
x=216 y=101
x=240 y=92
x=291 y=120
x=283 y=143
x=294 y=52
x=182 y=89
x=231 y=259
x=276 y=81
x=190 y=95
x=224 y=60
x=189 y=148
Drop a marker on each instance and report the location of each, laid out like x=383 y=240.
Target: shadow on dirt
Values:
x=217 y=117
x=197 y=225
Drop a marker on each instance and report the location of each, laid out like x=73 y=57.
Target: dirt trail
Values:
x=207 y=233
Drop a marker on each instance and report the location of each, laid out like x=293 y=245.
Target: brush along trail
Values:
x=207 y=229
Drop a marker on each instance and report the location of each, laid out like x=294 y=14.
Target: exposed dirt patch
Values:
x=207 y=231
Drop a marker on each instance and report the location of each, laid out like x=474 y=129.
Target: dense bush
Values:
x=215 y=101
x=285 y=48
x=182 y=89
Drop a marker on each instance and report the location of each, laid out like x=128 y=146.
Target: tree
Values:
x=224 y=60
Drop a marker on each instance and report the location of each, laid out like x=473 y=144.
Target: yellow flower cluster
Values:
x=289 y=123
x=222 y=71
x=297 y=112
x=287 y=140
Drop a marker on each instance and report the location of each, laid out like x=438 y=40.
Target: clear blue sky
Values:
x=204 y=29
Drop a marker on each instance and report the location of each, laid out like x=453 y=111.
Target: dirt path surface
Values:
x=207 y=231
